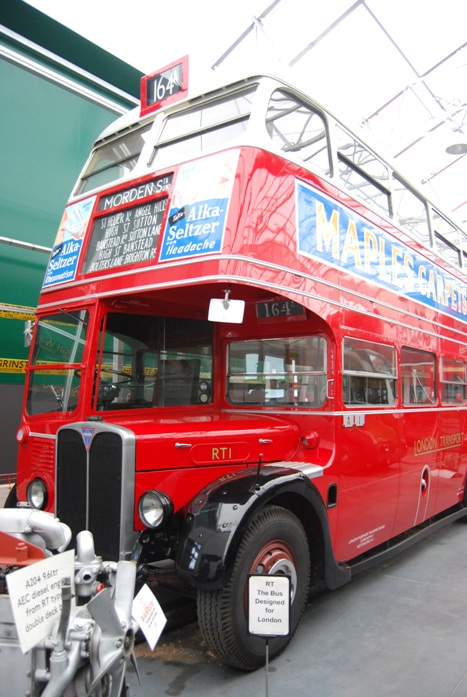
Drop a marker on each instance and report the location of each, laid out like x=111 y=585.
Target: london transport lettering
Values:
x=341 y=237
x=433 y=445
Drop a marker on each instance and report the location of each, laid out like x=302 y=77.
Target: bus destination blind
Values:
x=125 y=237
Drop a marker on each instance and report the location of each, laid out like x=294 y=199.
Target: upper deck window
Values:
x=362 y=172
x=296 y=128
x=113 y=160
x=448 y=238
x=411 y=212
x=203 y=127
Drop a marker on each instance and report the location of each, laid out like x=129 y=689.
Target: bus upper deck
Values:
x=190 y=181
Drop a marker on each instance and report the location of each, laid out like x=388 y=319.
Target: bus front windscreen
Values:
x=150 y=361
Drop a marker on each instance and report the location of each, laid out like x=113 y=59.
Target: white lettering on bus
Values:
x=135 y=193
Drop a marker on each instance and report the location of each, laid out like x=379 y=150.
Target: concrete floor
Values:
x=399 y=629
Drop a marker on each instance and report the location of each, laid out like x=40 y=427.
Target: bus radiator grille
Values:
x=89 y=488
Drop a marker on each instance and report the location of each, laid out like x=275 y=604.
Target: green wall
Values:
x=58 y=91
x=46 y=133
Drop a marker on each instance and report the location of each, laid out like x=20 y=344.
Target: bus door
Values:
x=421 y=461
x=434 y=466
x=368 y=450
x=452 y=432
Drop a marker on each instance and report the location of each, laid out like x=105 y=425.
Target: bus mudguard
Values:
x=220 y=513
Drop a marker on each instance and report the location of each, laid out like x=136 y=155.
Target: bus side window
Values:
x=418 y=377
x=369 y=373
x=294 y=127
x=362 y=172
x=290 y=371
x=452 y=381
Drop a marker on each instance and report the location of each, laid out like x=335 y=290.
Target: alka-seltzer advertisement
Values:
x=66 y=251
x=340 y=237
x=199 y=207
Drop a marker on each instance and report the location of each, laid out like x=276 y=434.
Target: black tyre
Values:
x=274 y=542
x=11 y=499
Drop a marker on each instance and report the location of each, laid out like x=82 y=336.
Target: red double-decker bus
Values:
x=249 y=353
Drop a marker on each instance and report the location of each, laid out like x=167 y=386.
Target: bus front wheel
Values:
x=274 y=543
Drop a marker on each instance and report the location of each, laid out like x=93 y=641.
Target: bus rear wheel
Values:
x=274 y=543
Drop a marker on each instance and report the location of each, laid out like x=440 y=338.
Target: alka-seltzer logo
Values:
x=87 y=435
x=194 y=229
x=66 y=251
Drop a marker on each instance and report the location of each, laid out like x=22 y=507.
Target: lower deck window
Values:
x=452 y=381
x=369 y=373
x=418 y=377
x=289 y=371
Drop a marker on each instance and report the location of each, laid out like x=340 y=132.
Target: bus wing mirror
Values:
x=226 y=311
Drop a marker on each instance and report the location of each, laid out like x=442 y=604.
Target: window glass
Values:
x=418 y=377
x=452 y=381
x=207 y=126
x=362 y=172
x=410 y=211
x=113 y=160
x=447 y=238
x=369 y=373
x=193 y=145
x=147 y=361
x=54 y=378
x=289 y=371
x=296 y=128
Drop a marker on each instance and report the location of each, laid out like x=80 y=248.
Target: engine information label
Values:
x=36 y=597
x=149 y=615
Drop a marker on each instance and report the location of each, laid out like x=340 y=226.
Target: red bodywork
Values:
x=375 y=467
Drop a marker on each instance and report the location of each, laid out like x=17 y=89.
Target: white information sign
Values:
x=268 y=605
x=149 y=615
x=36 y=597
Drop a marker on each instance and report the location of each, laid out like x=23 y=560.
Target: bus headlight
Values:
x=22 y=434
x=154 y=508
x=37 y=494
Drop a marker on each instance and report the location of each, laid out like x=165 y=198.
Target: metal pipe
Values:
x=25 y=245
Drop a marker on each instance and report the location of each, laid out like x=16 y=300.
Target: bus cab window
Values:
x=289 y=371
x=55 y=366
x=418 y=377
x=147 y=361
x=369 y=373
